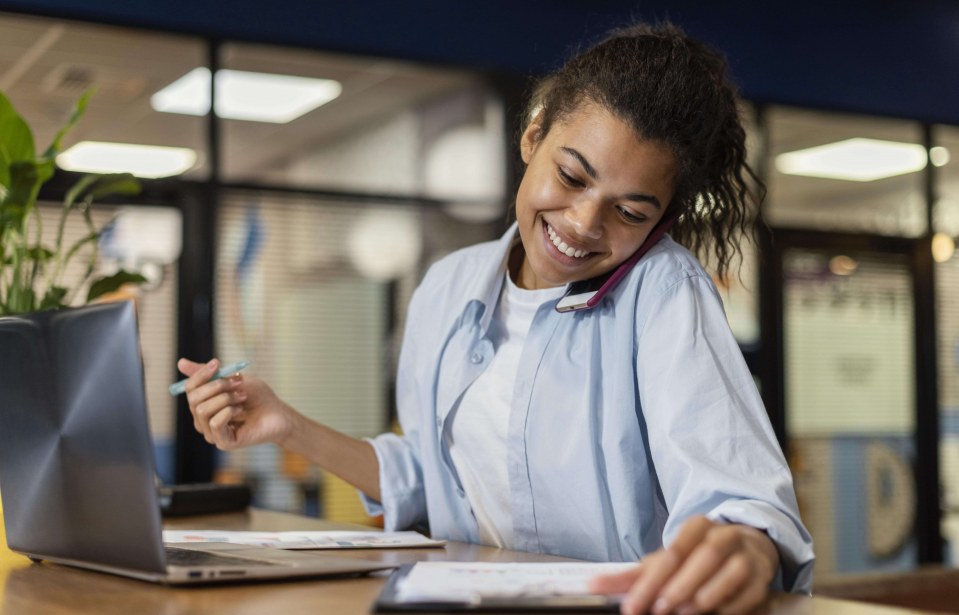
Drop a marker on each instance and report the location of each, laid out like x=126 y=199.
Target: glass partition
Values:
x=850 y=405
x=946 y=223
x=835 y=172
x=46 y=64
x=367 y=125
x=314 y=292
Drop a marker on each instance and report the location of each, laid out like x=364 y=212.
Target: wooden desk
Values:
x=49 y=589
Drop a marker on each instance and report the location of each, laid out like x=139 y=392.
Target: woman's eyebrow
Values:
x=582 y=160
x=640 y=198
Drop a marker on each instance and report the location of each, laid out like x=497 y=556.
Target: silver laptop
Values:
x=76 y=459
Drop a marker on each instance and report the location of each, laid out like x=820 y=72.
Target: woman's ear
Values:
x=531 y=137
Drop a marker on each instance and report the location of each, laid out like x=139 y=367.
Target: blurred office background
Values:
x=293 y=235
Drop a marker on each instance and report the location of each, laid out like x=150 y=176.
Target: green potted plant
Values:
x=31 y=270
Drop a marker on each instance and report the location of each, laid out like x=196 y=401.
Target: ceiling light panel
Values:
x=858 y=159
x=141 y=160
x=243 y=95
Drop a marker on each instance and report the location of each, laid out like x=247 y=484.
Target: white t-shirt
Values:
x=478 y=442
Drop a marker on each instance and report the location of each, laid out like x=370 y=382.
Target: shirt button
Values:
x=439 y=422
x=476 y=358
x=460 y=493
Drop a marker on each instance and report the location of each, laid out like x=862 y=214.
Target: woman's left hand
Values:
x=709 y=567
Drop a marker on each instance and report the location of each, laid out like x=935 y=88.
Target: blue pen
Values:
x=224 y=372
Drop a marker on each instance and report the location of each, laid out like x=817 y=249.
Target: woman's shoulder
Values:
x=668 y=277
x=463 y=265
x=666 y=265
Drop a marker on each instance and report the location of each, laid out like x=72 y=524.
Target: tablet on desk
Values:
x=489 y=586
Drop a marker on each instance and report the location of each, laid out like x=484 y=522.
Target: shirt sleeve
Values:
x=401 y=483
x=709 y=435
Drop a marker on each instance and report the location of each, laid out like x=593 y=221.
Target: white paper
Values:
x=306 y=540
x=475 y=581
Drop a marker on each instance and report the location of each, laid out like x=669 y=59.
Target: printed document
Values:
x=476 y=582
x=307 y=540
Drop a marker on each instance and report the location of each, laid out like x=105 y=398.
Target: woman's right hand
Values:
x=236 y=411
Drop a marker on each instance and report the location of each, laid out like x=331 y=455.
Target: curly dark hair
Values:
x=675 y=90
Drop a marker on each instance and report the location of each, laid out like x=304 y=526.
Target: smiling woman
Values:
x=591 y=194
x=629 y=430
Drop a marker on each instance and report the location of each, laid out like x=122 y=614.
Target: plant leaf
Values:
x=95 y=186
x=53 y=298
x=111 y=283
x=16 y=139
x=40 y=254
x=77 y=189
x=25 y=177
x=20 y=300
x=124 y=184
x=78 y=111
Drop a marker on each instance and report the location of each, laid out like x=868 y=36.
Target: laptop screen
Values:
x=76 y=459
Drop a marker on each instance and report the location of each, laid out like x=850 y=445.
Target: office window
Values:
x=368 y=125
x=399 y=164
x=834 y=172
x=850 y=405
x=314 y=291
x=46 y=64
x=946 y=224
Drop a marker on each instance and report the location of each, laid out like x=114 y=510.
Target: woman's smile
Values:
x=565 y=249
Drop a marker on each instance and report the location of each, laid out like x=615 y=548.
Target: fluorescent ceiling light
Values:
x=241 y=95
x=141 y=160
x=861 y=160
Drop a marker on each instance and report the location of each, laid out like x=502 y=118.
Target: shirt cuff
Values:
x=403 y=502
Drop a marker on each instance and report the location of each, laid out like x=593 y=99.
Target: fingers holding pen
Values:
x=207 y=396
x=197 y=374
x=223 y=427
x=214 y=411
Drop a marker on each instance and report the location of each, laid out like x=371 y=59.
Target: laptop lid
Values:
x=76 y=458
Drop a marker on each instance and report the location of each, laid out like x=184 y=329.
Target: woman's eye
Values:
x=630 y=216
x=569 y=180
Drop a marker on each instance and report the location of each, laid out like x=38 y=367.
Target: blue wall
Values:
x=888 y=57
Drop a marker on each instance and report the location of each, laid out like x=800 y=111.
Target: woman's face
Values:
x=591 y=194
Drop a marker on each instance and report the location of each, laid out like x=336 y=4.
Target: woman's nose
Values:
x=585 y=218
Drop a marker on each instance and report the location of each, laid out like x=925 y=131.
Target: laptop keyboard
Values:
x=187 y=557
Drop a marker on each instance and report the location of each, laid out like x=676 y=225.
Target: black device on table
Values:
x=202 y=499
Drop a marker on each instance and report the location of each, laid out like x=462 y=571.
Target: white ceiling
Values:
x=45 y=65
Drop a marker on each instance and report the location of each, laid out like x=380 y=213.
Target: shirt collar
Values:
x=491 y=278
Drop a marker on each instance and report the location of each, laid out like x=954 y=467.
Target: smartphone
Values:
x=587 y=294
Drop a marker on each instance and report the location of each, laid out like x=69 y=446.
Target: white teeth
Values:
x=562 y=246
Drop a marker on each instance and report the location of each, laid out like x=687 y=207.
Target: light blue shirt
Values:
x=626 y=419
